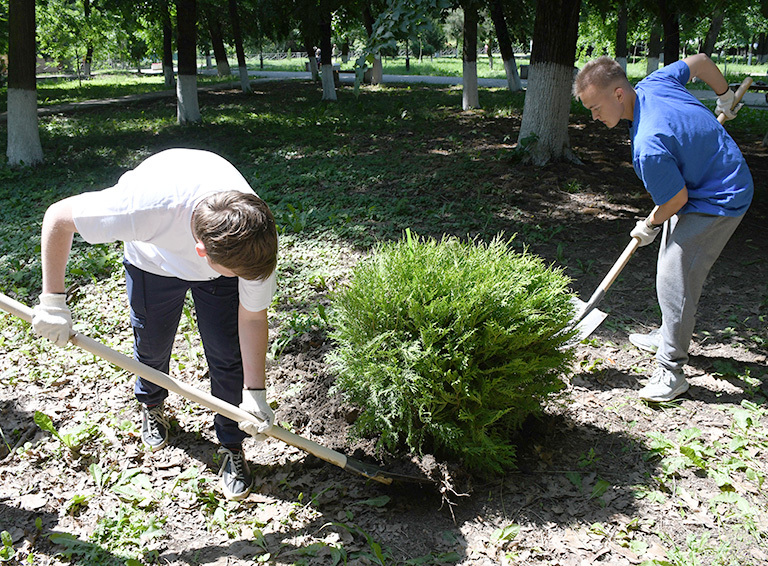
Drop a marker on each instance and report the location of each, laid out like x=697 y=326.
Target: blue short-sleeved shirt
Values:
x=677 y=142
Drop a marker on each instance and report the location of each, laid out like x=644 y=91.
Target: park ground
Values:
x=602 y=477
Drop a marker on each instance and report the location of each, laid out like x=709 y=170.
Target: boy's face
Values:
x=607 y=104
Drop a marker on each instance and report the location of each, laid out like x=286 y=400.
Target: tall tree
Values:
x=167 y=23
x=654 y=49
x=88 y=59
x=470 y=97
x=234 y=16
x=621 y=35
x=715 y=24
x=377 y=68
x=187 y=107
x=23 y=134
x=670 y=22
x=544 y=127
x=505 y=45
x=217 y=39
x=326 y=53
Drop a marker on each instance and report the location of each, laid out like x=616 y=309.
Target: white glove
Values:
x=51 y=318
x=255 y=402
x=724 y=103
x=644 y=232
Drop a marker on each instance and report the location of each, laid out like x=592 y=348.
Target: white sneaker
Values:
x=648 y=342
x=664 y=385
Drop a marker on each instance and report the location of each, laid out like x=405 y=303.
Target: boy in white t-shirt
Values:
x=189 y=222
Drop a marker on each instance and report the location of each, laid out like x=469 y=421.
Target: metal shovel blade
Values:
x=586 y=321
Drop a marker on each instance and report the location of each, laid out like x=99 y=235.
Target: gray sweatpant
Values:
x=690 y=244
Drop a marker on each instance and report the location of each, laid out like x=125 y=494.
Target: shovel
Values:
x=228 y=410
x=588 y=318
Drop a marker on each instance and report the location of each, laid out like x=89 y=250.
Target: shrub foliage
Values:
x=447 y=346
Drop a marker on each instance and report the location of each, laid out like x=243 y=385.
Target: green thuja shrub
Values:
x=447 y=346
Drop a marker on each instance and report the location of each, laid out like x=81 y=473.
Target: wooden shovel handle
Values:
x=188 y=392
x=620 y=264
x=738 y=95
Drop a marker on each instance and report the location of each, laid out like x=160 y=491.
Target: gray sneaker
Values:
x=664 y=385
x=236 y=478
x=648 y=342
x=154 y=427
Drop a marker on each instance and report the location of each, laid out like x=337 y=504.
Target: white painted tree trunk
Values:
x=329 y=87
x=513 y=77
x=187 y=106
x=168 y=76
x=245 y=81
x=86 y=70
x=313 y=67
x=651 y=65
x=623 y=62
x=23 y=135
x=223 y=69
x=544 y=128
x=470 y=97
x=377 y=71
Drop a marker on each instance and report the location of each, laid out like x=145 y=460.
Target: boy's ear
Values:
x=200 y=249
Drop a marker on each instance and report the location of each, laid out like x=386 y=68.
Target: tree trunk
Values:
x=544 y=127
x=245 y=82
x=87 y=63
x=715 y=24
x=309 y=47
x=167 y=45
x=23 y=134
x=762 y=49
x=326 y=57
x=470 y=97
x=654 y=49
x=505 y=46
x=621 y=36
x=670 y=21
x=188 y=109
x=377 y=71
x=85 y=71
x=217 y=41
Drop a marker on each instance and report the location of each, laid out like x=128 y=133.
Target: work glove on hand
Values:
x=51 y=318
x=644 y=232
x=724 y=103
x=255 y=402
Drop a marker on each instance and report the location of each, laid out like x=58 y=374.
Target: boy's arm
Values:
x=254 y=339
x=253 y=328
x=51 y=318
x=56 y=243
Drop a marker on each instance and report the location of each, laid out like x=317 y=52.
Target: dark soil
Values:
x=585 y=491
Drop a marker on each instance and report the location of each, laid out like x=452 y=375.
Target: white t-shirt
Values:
x=150 y=210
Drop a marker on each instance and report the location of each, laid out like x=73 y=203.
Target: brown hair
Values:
x=601 y=73
x=238 y=232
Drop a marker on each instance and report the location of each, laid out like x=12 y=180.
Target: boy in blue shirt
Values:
x=697 y=178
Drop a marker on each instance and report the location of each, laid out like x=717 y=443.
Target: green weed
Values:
x=72 y=438
x=7 y=552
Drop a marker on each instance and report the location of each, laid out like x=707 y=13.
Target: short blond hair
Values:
x=238 y=232
x=602 y=72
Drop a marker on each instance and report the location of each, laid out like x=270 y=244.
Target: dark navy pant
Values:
x=156 y=306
